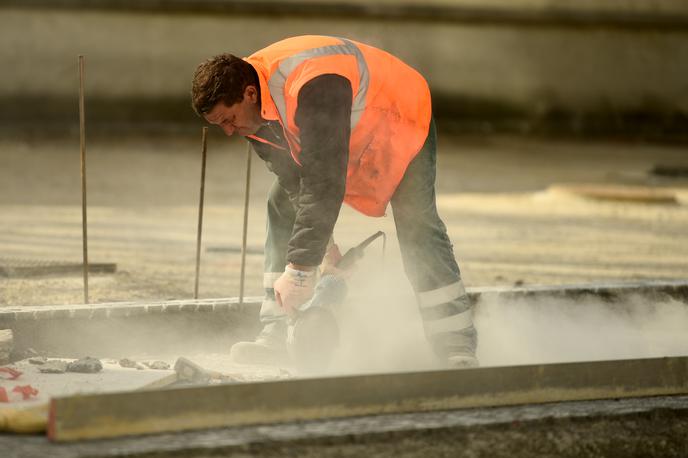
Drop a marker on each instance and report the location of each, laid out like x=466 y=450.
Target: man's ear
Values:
x=251 y=93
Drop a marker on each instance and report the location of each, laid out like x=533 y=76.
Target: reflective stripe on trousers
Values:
x=445 y=309
x=426 y=250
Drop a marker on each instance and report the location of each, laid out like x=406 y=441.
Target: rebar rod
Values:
x=199 y=232
x=245 y=230
x=82 y=141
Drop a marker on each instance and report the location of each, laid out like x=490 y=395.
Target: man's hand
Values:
x=294 y=287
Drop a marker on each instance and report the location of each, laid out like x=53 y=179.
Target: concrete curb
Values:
x=611 y=291
x=9 y=315
x=212 y=324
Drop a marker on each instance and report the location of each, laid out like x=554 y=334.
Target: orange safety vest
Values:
x=390 y=114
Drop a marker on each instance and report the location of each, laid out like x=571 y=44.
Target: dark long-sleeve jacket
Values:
x=316 y=187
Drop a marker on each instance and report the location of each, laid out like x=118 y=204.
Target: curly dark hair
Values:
x=222 y=78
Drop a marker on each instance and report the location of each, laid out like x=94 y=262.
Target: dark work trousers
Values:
x=428 y=257
x=426 y=251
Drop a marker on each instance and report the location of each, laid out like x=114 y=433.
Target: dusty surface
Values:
x=505 y=225
x=112 y=377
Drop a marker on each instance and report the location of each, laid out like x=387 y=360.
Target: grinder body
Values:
x=313 y=332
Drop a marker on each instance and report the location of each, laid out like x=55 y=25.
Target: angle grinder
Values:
x=313 y=332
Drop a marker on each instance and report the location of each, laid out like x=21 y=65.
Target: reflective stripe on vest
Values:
x=288 y=65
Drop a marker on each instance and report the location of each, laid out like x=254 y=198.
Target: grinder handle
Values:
x=356 y=253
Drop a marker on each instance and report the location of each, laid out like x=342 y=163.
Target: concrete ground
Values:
x=494 y=194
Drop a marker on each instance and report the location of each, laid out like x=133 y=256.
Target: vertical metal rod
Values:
x=385 y=276
x=384 y=249
x=243 y=237
x=82 y=140
x=199 y=232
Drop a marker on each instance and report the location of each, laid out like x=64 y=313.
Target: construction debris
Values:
x=128 y=363
x=189 y=372
x=54 y=366
x=131 y=364
x=9 y=373
x=157 y=365
x=17 y=393
x=38 y=360
x=85 y=365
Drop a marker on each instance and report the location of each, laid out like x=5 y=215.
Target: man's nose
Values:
x=229 y=130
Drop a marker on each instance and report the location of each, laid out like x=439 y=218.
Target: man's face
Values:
x=242 y=118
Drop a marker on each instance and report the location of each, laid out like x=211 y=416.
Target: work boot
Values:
x=269 y=348
x=457 y=349
x=462 y=360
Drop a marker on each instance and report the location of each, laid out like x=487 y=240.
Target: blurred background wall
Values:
x=614 y=67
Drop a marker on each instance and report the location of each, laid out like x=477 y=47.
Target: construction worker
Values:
x=339 y=121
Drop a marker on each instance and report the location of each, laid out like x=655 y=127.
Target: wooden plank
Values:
x=176 y=409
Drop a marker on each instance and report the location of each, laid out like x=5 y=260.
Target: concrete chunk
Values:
x=157 y=365
x=38 y=360
x=54 y=367
x=85 y=365
x=128 y=363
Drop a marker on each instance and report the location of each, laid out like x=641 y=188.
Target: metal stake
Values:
x=204 y=137
x=243 y=237
x=82 y=138
x=384 y=249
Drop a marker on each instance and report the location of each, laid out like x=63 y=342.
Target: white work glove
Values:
x=294 y=287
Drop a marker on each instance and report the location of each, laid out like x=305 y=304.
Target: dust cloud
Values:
x=382 y=331
x=550 y=330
